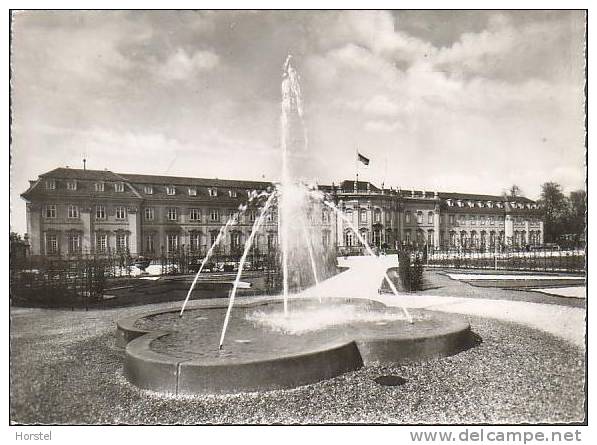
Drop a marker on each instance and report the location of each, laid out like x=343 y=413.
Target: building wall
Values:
x=382 y=217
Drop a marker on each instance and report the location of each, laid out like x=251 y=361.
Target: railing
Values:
x=80 y=280
x=548 y=260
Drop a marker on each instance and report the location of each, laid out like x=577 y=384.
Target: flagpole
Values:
x=356 y=184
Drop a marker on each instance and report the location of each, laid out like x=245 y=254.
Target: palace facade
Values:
x=72 y=211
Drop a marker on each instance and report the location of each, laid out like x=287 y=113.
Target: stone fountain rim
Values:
x=159 y=372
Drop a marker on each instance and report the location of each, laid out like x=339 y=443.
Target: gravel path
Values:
x=65 y=368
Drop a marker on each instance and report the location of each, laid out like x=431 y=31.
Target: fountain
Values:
x=282 y=342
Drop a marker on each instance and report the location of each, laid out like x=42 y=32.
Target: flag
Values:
x=362 y=158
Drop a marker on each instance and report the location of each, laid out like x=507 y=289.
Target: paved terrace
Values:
x=362 y=280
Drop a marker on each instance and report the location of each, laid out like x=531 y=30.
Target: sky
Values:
x=469 y=101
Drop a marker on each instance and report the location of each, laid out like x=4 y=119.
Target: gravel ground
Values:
x=66 y=369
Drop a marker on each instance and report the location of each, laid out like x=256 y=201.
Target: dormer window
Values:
x=192 y=191
x=480 y=204
x=119 y=187
x=449 y=202
x=232 y=193
x=460 y=203
x=170 y=190
x=470 y=203
x=213 y=192
x=490 y=204
x=50 y=184
x=148 y=189
x=71 y=185
x=99 y=186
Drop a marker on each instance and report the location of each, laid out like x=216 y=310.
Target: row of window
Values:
x=489 y=204
x=147 y=189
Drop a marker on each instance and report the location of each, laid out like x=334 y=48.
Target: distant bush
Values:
x=410 y=271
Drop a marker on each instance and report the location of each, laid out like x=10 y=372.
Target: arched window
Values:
x=419 y=217
x=349 y=238
x=377 y=215
x=430 y=234
x=363 y=215
x=430 y=218
x=407 y=217
x=349 y=215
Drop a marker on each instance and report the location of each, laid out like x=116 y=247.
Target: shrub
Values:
x=410 y=271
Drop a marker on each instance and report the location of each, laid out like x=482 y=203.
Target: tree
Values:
x=514 y=191
x=555 y=209
x=578 y=209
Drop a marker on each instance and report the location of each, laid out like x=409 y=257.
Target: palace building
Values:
x=72 y=211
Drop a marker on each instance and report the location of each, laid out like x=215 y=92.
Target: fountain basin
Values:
x=266 y=351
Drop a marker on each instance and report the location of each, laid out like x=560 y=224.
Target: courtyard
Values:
x=528 y=366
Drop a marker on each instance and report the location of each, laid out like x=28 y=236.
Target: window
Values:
x=50 y=184
x=121 y=242
x=482 y=220
x=251 y=215
x=325 y=238
x=430 y=234
x=170 y=190
x=194 y=215
x=172 y=242
x=214 y=215
x=148 y=189
x=271 y=241
x=99 y=186
x=407 y=236
x=50 y=211
x=430 y=218
x=407 y=217
x=213 y=192
x=461 y=219
x=349 y=215
x=71 y=185
x=73 y=211
x=100 y=212
x=419 y=217
x=120 y=212
x=213 y=236
x=235 y=240
x=101 y=242
x=377 y=215
x=325 y=216
x=349 y=238
x=451 y=219
x=74 y=243
x=172 y=214
x=51 y=243
x=149 y=213
x=119 y=187
x=192 y=191
x=195 y=241
x=363 y=215
x=473 y=220
x=232 y=193
x=149 y=244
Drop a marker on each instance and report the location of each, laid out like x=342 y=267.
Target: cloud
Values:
x=382 y=126
x=182 y=65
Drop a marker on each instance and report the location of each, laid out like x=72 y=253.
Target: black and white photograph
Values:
x=298 y=217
